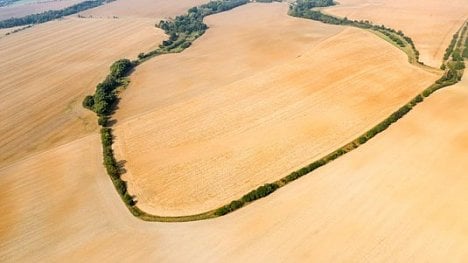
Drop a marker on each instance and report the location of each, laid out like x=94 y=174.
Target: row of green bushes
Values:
x=456 y=55
x=454 y=61
x=191 y=25
x=184 y=29
x=465 y=49
x=270 y=188
x=304 y=9
x=51 y=14
x=301 y=5
x=393 y=35
x=457 y=65
x=253 y=195
x=104 y=99
x=449 y=49
x=456 y=49
x=112 y=167
x=299 y=9
x=394 y=38
x=121 y=68
x=102 y=103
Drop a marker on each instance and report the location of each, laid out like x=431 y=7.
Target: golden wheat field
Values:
x=258 y=96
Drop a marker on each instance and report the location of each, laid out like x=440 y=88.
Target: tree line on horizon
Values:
x=7 y=2
x=305 y=9
x=51 y=14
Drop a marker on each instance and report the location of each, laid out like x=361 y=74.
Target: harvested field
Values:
x=361 y=207
x=48 y=69
x=35 y=7
x=258 y=96
x=430 y=23
x=264 y=84
x=43 y=192
x=156 y=9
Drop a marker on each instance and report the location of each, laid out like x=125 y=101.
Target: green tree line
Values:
x=104 y=98
x=449 y=78
x=51 y=14
x=182 y=31
x=305 y=9
x=120 y=69
x=7 y=2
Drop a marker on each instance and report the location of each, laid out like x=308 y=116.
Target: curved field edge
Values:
x=314 y=9
x=104 y=101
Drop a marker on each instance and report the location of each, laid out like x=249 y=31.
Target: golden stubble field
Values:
x=430 y=23
x=400 y=197
x=253 y=100
x=362 y=207
x=49 y=68
x=158 y=9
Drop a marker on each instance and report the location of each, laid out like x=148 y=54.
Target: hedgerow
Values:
x=305 y=9
x=51 y=14
x=181 y=32
x=253 y=195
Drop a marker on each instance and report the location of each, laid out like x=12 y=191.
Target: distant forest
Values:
x=7 y=2
x=51 y=14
